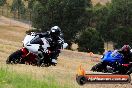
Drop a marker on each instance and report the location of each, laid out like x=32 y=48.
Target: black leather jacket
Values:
x=55 y=42
x=127 y=56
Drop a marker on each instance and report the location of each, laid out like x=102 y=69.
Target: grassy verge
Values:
x=14 y=80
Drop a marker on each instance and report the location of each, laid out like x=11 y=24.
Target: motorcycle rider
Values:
x=127 y=57
x=125 y=50
x=54 y=37
x=122 y=66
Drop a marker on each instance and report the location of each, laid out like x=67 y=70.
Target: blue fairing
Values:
x=111 y=57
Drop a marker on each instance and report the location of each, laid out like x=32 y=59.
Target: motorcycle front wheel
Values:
x=14 y=58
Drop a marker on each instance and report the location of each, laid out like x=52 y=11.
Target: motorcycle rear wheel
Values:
x=99 y=68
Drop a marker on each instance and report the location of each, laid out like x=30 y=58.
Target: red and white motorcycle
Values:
x=30 y=51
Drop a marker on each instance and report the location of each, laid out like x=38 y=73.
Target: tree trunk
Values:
x=30 y=16
x=2 y=10
x=18 y=15
x=14 y=13
x=107 y=45
x=69 y=45
x=7 y=10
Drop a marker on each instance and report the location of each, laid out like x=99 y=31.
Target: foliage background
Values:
x=112 y=21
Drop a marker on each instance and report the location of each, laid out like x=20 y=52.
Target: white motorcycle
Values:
x=32 y=44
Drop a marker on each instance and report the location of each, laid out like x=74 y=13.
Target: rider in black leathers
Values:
x=54 y=37
x=126 y=51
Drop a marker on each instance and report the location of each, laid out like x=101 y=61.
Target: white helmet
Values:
x=55 y=31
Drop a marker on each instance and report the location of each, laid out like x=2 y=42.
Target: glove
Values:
x=47 y=51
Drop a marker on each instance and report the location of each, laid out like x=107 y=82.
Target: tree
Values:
x=121 y=36
x=90 y=40
x=2 y=3
x=120 y=21
x=18 y=8
x=121 y=12
x=100 y=20
x=118 y=14
x=67 y=14
x=30 y=4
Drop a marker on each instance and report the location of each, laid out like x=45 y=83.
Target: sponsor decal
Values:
x=102 y=78
x=83 y=78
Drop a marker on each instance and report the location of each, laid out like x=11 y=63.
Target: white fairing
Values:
x=27 y=39
x=34 y=47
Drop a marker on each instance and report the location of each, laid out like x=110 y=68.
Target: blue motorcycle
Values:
x=112 y=62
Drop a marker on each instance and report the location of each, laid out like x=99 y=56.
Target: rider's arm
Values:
x=41 y=35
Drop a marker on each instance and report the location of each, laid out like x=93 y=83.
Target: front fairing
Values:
x=27 y=39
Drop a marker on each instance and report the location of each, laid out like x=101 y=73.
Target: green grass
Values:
x=14 y=80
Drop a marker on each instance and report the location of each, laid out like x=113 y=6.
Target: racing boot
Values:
x=54 y=57
x=40 y=57
x=54 y=61
x=129 y=71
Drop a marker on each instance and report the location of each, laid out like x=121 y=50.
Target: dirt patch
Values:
x=103 y=2
x=12 y=22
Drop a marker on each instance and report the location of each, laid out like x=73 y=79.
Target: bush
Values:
x=90 y=40
x=122 y=36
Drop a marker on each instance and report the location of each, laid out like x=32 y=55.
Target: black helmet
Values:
x=55 y=31
x=126 y=48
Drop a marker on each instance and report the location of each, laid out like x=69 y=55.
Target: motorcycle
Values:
x=112 y=62
x=32 y=43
